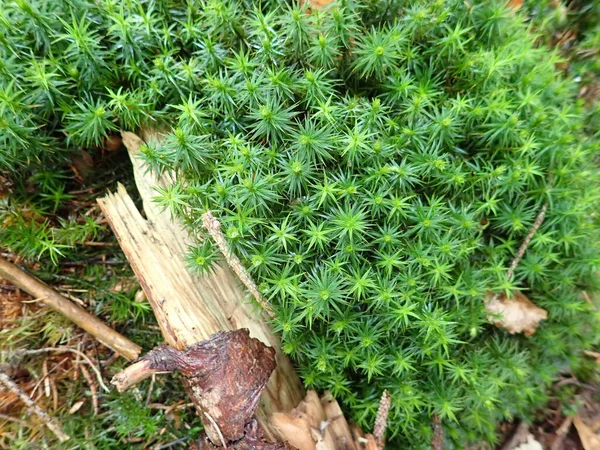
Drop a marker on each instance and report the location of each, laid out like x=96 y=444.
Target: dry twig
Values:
x=536 y=225
x=71 y=311
x=518 y=437
x=437 y=443
x=515 y=262
x=32 y=407
x=213 y=226
x=561 y=433
x=93 y=389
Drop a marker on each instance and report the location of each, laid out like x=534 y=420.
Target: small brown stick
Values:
x=32 y=407
x=13 y=419
x=213 y=226
x=437 y=442
x=71 y=311
x=149 y=395
x=93 y=389
x=518 y=437
x=561 y=433
x=536 y=225
x=517 y=259
x=133 y=374
x=381 y=419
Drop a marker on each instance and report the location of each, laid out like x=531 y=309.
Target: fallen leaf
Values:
x=589 y=439
x=530 y=444
x=515 y=315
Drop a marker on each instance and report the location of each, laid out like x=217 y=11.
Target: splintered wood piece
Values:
x=319 y=424
x=252 y=440
x=338 y=426
x=189 y=308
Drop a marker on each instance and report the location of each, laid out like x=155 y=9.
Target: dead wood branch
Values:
x=32 y=407
x=190 y=308
x=517 y=259
x=536 y=225
x=75 y=313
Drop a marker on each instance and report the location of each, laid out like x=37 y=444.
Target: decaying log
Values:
x=71 y=311
x=190 y=308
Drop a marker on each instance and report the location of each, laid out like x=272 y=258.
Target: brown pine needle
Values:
x=20 y=352
x=437 y=443
x=536 y=225
x=93 y=388
x=52 y=425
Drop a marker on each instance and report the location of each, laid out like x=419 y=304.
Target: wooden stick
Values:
x=437 y=442
x=213 y=226
x=133 y=374
x=75 y=313
x=517 y=259
x=32 y=407
x=536 y=225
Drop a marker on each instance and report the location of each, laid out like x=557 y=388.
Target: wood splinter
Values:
x=224 y=377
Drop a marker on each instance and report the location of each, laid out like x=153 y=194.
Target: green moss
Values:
x=376 y=165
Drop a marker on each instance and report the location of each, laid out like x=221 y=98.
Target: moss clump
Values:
x=375 y=164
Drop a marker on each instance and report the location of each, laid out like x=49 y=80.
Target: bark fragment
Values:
x=224 y=377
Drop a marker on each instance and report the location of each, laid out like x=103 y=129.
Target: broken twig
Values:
x=437 y=443
x=536 y=225
x=515 y=262
x=213 y=226
x=71 y=311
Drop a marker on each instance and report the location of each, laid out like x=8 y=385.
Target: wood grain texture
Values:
x=319 y=424
x=190 y=308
